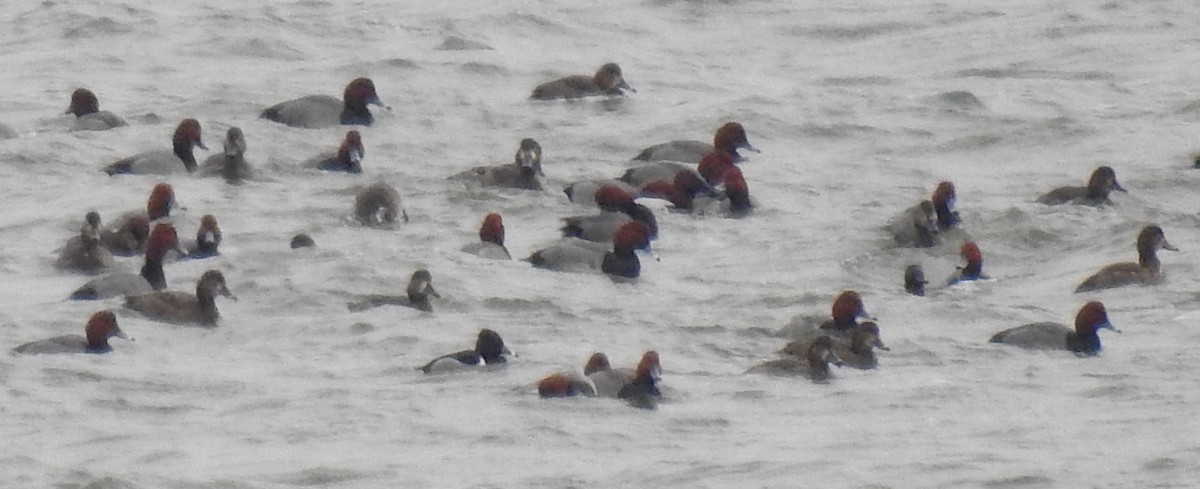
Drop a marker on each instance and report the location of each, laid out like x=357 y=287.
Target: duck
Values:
x=608 y=80
x=379 y=204
x=973 y=270
x=914 y=280
x=1147 y=271
x=617 y=207
x=572 y=384
x=858 y=351
x=737 y=193
x=101 y=326
x=915 y=227
x=83 y=252
x=944 y=198
x=610 y=382
x=181 y=160
x=302 y=240
x=420 y=287
x=522 y=173
x=847 y=310
x=88 y=116
x=643 y=175
x=576 y=255
x=1083 y=340
x=728 y=138
x=814 y=364
x=162 y=239
x=1102 y=181
x=128 y=236
x=319 y=111
x=231 y=163
x=183 y=308
x=208 y=239
x=491 y=239
x=489 y=350
x=347 y=159
x=642 y=390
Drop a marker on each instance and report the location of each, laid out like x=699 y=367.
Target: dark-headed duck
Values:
x=683 y=190
x=914 y=280
x=208 y=239
x=379 y=204
x=181 y=307
x=608 y=80
x=944 y=198
x=814 y=364
x=576 y=255
x=1102 y=181
x=317 y=111
x=729 y=138
x=88 y=116
x=1147 y=271
x=617 y=208
x=973 y=269
x=100 y=327
x=83 y=252
x=522 y=173
x=162 y=239
x=302 y=240
x=347 y=159
x=857 y=352
x=491 y=239
x=1082 y=340
x=420 y=287
x=128 y=235
x=847 y=309
x=489 y=350
x=231 y=163
x=179 y=160
x=572 y=384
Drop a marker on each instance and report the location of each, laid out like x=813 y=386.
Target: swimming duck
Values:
x=83 y=252
x=916 y=226
x=576 y=255
x=317 y=111
x=302 y=240
x=420 y=287
x=379 y=204
x=180 y=160
x=100 y=327
x=608 y=80
x=847 y=309
x=208 y=239
x=1102 y=181
x=128 y=236
x=88 y=116
x=491 y=240
x=1083 y=340
x=814 y=364
x=522 y=173
x=231 y=163
x=617 y=207
x=181 y=307
x=635 y=383
x=857 y=352
x=1147 y=271
x=572 y=384
x=489 y=350
x=729 y=138
x=347 y=159
x=914 y=280
x=973 y=270
x=944 y=198
x=162 y=239
x=737 y=193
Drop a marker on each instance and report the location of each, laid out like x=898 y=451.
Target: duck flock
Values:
x=821 y=283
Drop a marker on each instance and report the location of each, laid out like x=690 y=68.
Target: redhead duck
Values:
x=100 y=327
x=635 y=382
x=642 y=390
x=1102 y=181
x=608 y=80
x=916 y=226
x=180 y=160
x=847 y=309
x=572 y=384
x=814 y=364
x=128 y=236
x=491 y=239
x=944 y=199
x=1083 y=340
x=302 y=240
x=914 y=280
x=347 y=159
x=737 y=192
x=317 y=111
x=420 y=287
x=162 y=240
x=576 y=255
x=379 y=204
x=181 y=307
x=973 y=270
x=489 y=350
x=857 y=352
x=230 y=164
x=1147 y=271
x=729 y=138
x=88 y=116
x=83 y=252
x=208 y=238
x=617 y=207
x=682 y=190
x=522 y=173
